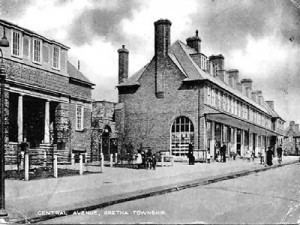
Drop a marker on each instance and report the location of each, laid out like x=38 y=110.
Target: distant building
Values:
x=48 y=100
x=104 y=135
x=292 y=139
x=182 y=96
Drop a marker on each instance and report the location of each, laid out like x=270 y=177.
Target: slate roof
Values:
x=77 y=75
x=180 y=54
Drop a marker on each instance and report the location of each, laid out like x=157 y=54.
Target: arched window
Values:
x=182 y=133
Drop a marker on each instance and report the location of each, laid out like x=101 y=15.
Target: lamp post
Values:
x=3 y=43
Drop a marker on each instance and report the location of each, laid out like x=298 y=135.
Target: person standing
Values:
x=279 y=154
x=191 y=155
x=269 y=156
x=223 y=152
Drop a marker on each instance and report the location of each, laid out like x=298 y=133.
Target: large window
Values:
x=182 y=134
x=16 y=44
x=37 y=49
x=79 y=117
x=56 y=57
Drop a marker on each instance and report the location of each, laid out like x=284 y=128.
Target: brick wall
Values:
x=80 y=139
x=148 y=119
x=38 y=78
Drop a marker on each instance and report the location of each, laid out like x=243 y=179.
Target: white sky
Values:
x=254 y=39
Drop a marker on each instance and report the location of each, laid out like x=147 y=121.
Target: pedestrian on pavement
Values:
x=279 y=154
x=191 y=154
x=153 y=165
x=223 y=153
x=252 y=156
x=208 y=156
x=269 y=156
x=261 y=157
x=139 y=159
x=149 y=159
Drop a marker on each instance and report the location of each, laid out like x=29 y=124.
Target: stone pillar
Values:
x=47 y=123
x=20 y=118
x=242 y=143
x=213 y=141
x=234 y=149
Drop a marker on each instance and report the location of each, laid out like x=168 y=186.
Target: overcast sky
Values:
x=261 y=38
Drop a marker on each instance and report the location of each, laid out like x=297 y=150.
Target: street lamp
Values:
x=3 y=43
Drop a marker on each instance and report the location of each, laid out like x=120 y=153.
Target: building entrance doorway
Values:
x=106 y=142
x=182 y=134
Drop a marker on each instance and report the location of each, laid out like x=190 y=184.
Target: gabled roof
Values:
x=180 y=54
x=134 y=79
x=75 y=74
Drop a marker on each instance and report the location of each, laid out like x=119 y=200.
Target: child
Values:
x=208 y=157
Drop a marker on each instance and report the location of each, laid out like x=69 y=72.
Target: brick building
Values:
x=48 y=100
x=104 y=135
x=292 y=139
x=182 y=96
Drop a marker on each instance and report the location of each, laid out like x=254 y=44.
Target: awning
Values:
x=239 y=123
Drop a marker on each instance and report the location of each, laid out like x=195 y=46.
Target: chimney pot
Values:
x=194 y=42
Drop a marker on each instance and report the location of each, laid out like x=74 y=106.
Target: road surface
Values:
x=266 y=197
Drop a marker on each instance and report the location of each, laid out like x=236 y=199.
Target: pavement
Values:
x=39 y=200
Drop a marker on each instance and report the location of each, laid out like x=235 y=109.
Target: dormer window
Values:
x=56 y=57
x=37 y=50
x=16 y=44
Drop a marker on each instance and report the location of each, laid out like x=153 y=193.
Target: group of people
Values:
x=145 y=159
x=270 y=154
x=221 y=152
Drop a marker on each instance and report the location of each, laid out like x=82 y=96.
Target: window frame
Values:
x=76 y=117
x=33 y=50
x=20 y=44
x=58 y=58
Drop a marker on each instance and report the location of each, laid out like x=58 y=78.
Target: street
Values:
x=272 y=197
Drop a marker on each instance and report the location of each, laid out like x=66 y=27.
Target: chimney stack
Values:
x=162 y=37
x=254 y=96
x=78 y=65
x=246 y=87
x=260 y=97
x=194 y=42
x=292 y=123
x=297 y=127
x=218 y=61
x=233 y=77
x=271 y=104
x=123 y=64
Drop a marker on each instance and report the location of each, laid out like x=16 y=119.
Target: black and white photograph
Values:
x=149 y=111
